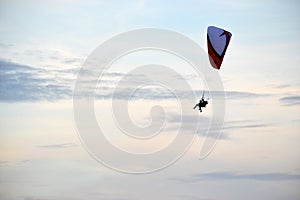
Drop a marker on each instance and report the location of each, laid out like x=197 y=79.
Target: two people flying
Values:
x=217 y=42
x=202 y=104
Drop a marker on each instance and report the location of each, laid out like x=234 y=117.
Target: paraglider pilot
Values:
x=202 y=104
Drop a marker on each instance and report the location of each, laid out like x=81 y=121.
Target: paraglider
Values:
x=217 y=42
x=202 y=103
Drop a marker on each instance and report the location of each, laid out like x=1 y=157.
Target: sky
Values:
x=43 y=156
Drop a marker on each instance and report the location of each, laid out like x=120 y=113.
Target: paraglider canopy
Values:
x=217 y=42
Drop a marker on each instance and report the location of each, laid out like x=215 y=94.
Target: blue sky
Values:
x=44 y=43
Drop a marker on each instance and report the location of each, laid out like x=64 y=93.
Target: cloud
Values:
x=156 y=93
x=279 y=86
x=242 y=95
x=243 y=176
x=94 y=195
x=26 y=83
x=176 y=118
x=54 y=55
x=204 y=122
x=187 y=123
x=14 y=163
x=228 y=94
x=32 y=198
x=44 y=198
x=4 y=45
x=293 y=100
x=225 y=176
x=188 y=197
x=23 y=161
x=230 y=126
x=244 y=124
x=77 y=198
x=58 y=146
x=3 y=162
x=72 y=60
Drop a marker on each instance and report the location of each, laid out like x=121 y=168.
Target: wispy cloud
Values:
x=4 y=45
x=292 y=100
x=25 y=161
x=244 y=124
x=238 y=125
x=249 y=176
x=279 y=86
x=3 y=162
x=14 y=163
x=25 y=83
x=78 y=198
x=241 y=94
x=47 y=198
x=58 y=146
x=188 y=197
x=158 y=93
x=54 y=55
x=204 y=122
x=225 y=176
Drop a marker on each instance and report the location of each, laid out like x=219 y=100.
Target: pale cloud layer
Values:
x=25 y=83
